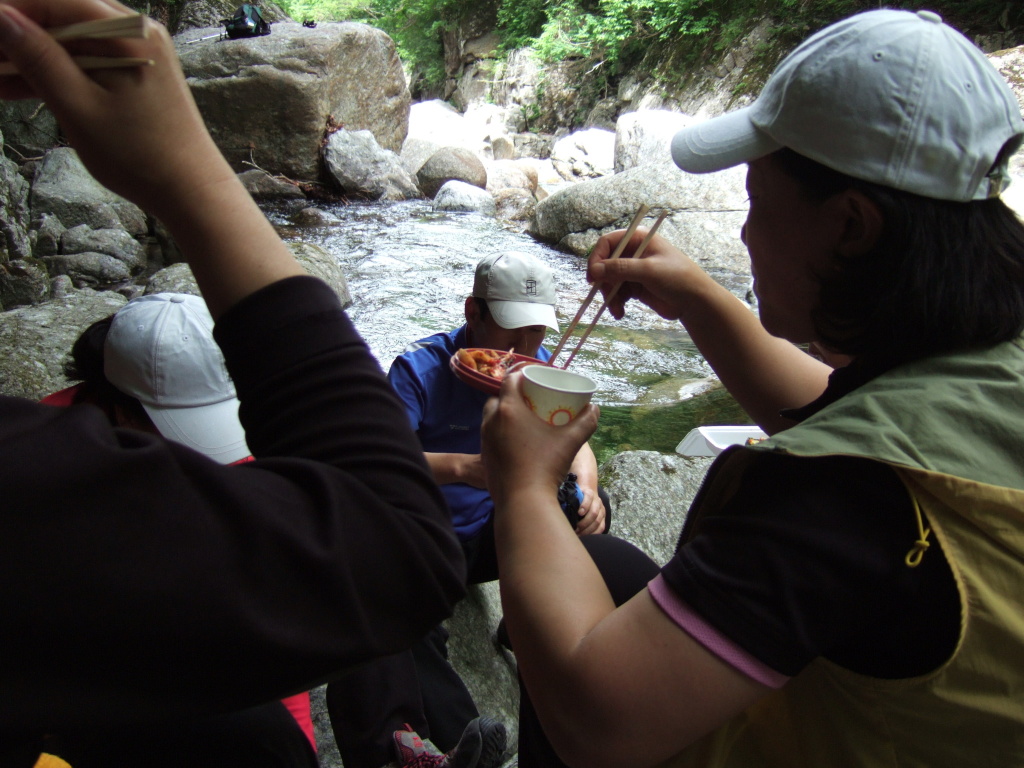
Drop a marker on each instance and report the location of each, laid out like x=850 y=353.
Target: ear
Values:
x=861 y=222
x=472 y=311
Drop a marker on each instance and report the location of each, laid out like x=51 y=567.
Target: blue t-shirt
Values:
x=446 y=415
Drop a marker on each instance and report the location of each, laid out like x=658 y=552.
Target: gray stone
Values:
x=451 y=163
x=319 y=263
x=64 y=188
x=312 y=217
x=178 y=278
x=269 y=99
x=503 y=148
x=508 y=174
x=210 y=13
x=706 y=212
x=516 y=205
x=29 y=127
x=533 y=145
x=23 y=281
x=460 y=196
x=61 y=287
x=585 y=154
x=416 y=151
x=360 y=167
x=89 y=270
x=113 y=242
x=35 y=341
x=48 y=235
x=14 y=212
x=262 y=186
x=644 y=138
x=651 y=493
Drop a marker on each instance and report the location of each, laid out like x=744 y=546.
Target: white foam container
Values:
x=711 y=441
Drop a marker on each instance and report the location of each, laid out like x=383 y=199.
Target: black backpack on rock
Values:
x=247 y=22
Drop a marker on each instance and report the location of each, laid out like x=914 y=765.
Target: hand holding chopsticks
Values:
x=100 y=29
x=593 y=291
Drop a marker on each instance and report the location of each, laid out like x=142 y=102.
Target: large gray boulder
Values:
x=644 y=138
x=434 y=124
x=63 y=188
x=460 y=196
x=451 y=163
x=706 y=213
x=586 y=154
x=360 y=167
x=651 y=494
x=35 y=341
x=510 y=174
x=268 y=100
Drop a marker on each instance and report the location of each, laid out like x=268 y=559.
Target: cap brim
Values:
x=519 y=314
x=721 y=143
x=213 y=430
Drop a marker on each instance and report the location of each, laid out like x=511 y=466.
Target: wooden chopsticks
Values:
x=100 y=29
x=593 y=291
x=611 y=294
x=118 y=26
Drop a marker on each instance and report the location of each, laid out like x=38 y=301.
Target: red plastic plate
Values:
x=482 y=381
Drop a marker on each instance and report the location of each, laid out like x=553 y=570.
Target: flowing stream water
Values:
x=409 y=269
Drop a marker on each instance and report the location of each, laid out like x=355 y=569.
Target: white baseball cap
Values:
x=892 y=97
x=519 y=289
x=160 y=350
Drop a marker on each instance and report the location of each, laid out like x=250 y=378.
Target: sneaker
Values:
x=482 y=745
x=494 y=738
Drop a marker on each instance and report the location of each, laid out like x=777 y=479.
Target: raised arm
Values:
x=612 y=686
x=764 y=373
x=156 y=571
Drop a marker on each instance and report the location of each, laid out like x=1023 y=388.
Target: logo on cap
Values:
x=531 y=287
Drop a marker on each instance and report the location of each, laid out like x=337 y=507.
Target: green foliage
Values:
x=616 y=34
x=326 y=10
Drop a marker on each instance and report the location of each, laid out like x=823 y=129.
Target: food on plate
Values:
x=489 y=362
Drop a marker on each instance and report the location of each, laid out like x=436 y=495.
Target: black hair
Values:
x=481 y=304
x=943 y=275
x=86 y=365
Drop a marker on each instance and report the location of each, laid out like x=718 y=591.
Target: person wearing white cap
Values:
x=160 y=350
x=142 y=583
x=154 y=366
x=512 y=306
x=847 y=592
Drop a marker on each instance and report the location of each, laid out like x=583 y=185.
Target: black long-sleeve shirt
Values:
x=140 y=580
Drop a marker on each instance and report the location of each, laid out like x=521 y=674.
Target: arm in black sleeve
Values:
x=139 y=580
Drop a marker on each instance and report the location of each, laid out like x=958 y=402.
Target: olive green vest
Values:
x=953 y=429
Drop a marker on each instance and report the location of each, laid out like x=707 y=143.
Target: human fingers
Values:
x=588 y=513
x=39 y=59
x=528 y=449
x=607 y=245
x=137 y=130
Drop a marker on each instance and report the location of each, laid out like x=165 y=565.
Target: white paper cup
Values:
x=554 y=394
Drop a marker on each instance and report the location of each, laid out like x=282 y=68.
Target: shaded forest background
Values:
x=666 y=39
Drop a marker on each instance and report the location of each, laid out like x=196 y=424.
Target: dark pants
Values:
x=418 y=688
x=261 y=737
x=626 y=571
